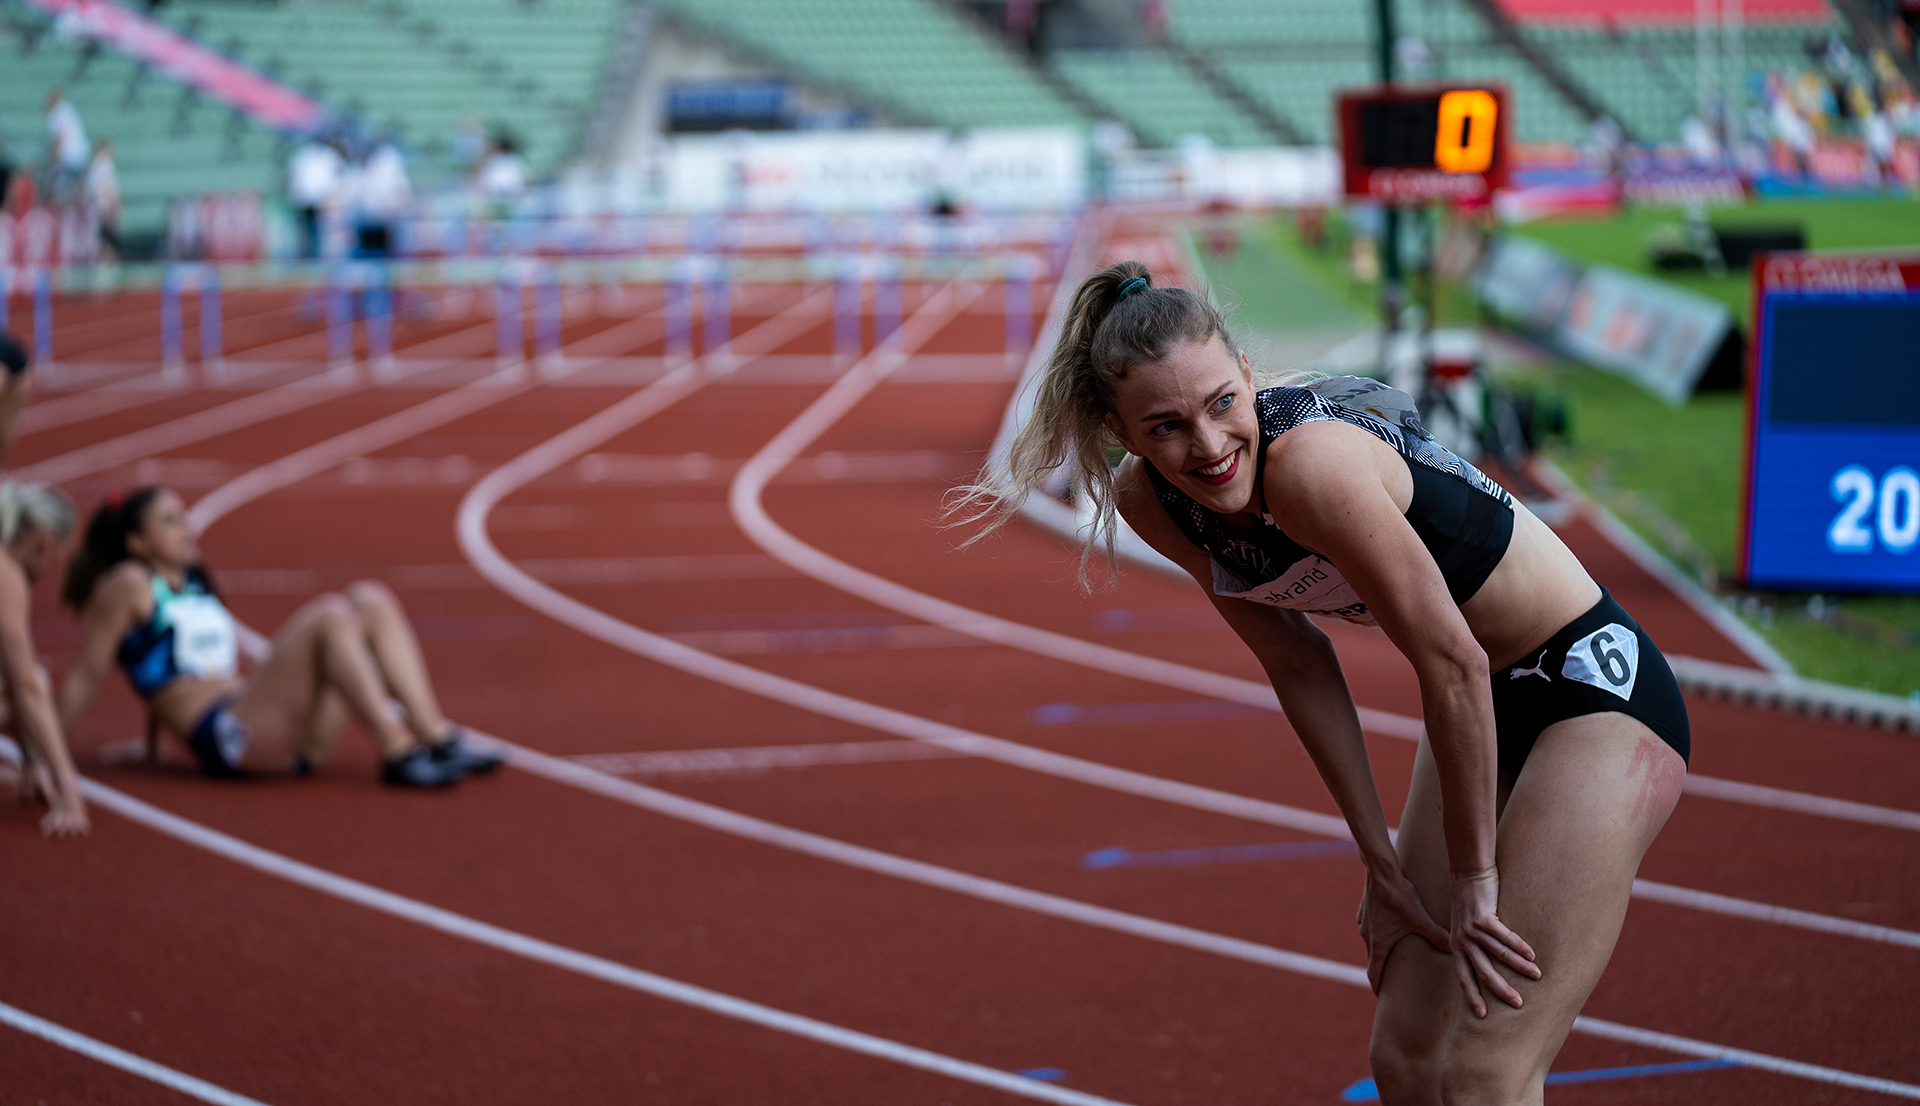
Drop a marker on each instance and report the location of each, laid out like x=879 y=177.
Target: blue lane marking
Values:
x=1112 y=714
x=1044 y=1075
x=1365 y=1091
x=1120 y=857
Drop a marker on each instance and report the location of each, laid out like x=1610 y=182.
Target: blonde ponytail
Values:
x=1116 y=321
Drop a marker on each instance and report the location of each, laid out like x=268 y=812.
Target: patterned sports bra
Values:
x=1462 y=516
x=189 y=633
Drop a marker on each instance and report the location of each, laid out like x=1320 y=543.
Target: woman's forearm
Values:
x=1460 y=728
x=40 y=731
x=1321 y=710
x=76 y=695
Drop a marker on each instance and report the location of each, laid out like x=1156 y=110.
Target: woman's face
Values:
x=1191 y=416
x=39 y=553
x=164 y=539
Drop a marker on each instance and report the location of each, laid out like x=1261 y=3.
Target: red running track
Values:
x=285 y=994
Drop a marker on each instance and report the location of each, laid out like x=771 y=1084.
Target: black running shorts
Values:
x=1602 y=661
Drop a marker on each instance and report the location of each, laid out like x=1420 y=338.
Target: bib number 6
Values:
x=1608 y=658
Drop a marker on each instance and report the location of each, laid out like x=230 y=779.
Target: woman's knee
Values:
x=1483 y=1077
x=373 y=599
x=1403 y=1074
x=334 y=613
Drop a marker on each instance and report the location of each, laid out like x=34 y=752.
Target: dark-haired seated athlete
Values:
x=1556 y=738
x=152 y=607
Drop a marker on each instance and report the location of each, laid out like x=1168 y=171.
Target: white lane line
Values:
x=559 y=956
x=362 y=440
x=181 y=431
x=722 y=820
x=122 y=1059
x=1799 y=802
x=755 y=759
x=1775 y=915
x=630 y=412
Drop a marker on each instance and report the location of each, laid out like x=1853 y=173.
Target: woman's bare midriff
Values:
x=186 y=699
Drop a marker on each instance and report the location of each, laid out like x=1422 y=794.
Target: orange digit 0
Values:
x=1463 y=139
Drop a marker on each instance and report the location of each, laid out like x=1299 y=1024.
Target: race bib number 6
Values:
x=1608 y=658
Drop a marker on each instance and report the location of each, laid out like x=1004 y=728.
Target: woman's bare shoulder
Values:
x=123 y=585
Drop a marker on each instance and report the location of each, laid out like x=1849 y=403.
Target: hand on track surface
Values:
x=1389 y=910
x=1480 y=937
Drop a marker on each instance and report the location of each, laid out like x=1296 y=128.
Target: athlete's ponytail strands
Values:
x=1116 y=320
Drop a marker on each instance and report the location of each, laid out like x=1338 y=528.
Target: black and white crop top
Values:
x=1462 y=516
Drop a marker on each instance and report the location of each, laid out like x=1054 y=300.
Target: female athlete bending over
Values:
x=1556 y=739
x=150 y=605
x=35 y=521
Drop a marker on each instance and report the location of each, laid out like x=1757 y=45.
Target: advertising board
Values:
x=1833 y=461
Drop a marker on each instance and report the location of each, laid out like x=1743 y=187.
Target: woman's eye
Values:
x=1166 y=428
x=1224 y=402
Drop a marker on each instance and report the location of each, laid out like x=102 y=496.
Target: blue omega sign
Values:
x=1833 y=462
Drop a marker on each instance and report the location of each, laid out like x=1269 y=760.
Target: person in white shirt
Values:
x=68 y=150
x=382 y=195
x=313 y=185
x=102 y=191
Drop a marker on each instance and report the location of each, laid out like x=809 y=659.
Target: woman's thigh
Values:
x=1594 y=793
x=281 y=698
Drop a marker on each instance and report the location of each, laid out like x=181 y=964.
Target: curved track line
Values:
x=559 y=956
x=480 y=551
x=191 y=1086
x=746 y=501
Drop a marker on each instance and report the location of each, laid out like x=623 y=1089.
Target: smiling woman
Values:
x=1555 y=738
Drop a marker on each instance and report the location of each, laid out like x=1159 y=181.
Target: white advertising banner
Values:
x=877 y=170
x=1657 y=334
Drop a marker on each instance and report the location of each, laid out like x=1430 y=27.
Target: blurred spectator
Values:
x=1697 y=139
x=102 y=194
x=313 y=184
x=6 y=176
x=381 y=197
x=1156 y=18
x=503 y=176
x=67 y=149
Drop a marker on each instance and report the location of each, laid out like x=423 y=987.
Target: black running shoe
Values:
x=418 y=769
x=456 y=752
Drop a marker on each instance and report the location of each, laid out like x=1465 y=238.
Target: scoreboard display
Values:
x=1833 y=459
x=1413 y=144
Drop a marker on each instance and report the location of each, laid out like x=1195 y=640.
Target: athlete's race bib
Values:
x=204 y=644
x=1312 y=585
x=1608 y=658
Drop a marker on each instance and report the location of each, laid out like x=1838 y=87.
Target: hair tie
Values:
x=115 y=498
x=1129 y=287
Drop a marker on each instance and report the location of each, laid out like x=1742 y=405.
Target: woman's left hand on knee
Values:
x=1480 y=938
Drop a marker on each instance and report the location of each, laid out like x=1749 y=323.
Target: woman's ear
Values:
x=1120 y=432
x=1246 y=366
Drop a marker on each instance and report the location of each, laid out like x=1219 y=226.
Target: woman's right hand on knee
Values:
x=1390 y=909
x=1480 y=938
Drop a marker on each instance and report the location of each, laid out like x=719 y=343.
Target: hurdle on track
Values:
x=846 y=312
x=507 y=306
x=886 y=301
x=43 y=319
x=339 y=320
x=679 y=312
x=212 y=353
x=379 y=320
x=546 y=320
x=715 y=304
x=1016 y=291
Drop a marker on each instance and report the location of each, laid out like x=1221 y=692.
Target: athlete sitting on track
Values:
x=35 y=522
x=149 y=604
x=1556 y=738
